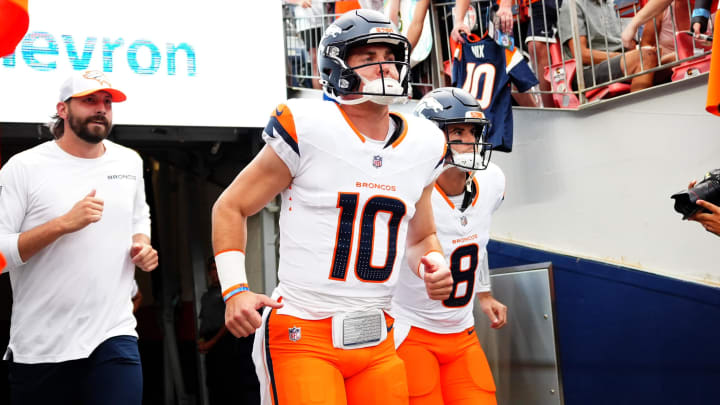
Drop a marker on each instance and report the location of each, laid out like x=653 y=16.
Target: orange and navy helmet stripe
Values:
x=282 y=123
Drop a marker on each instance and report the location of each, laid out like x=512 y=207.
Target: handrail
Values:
x=430 y=73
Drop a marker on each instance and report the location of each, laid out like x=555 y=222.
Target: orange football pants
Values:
x=449 y=369
x=310 y=370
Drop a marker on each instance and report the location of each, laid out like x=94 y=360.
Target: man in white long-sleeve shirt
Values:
x=73 y=225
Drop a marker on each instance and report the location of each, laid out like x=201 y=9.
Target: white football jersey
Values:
x=463 y=236
x=344 y=218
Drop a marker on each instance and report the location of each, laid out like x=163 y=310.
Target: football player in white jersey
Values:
x=444 y=360
x=355 y=182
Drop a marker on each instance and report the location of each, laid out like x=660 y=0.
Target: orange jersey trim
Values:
x=354 y=128
x=444 y=196
x=404 y=130
x=284 y=116
x=477 y=191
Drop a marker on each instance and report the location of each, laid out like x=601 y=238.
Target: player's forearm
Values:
x=229 y=227
x=36 y=239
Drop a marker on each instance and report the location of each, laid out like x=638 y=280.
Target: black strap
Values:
x=468 y=197
x=399 y=128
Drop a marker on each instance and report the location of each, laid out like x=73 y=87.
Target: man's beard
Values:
x=81 y=128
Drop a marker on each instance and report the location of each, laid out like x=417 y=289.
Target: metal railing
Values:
x=304 y=28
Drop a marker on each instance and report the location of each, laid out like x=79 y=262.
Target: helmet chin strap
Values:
x=468 y=180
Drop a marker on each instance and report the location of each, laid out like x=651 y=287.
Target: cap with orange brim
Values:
x=89 y=82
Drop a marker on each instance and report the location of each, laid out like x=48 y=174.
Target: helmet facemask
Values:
x=479 y=157
x=383 y=90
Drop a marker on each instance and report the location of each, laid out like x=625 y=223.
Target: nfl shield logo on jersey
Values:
x=377 y=161
x=294 y=334
x=463 y=220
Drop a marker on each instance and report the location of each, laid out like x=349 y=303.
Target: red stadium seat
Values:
x=687 y=48
x=560 y=75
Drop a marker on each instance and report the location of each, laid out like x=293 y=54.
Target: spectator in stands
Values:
x=654 y=8
x=601 y=49
x=504 y=17
x=504 y=20
x=376 y=5
x=710 y=221
x=541 y=32
x=343 y=6
x=418 y=18
x=309 y=24
x=230 y=372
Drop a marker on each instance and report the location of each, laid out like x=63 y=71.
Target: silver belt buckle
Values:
x=355 y=330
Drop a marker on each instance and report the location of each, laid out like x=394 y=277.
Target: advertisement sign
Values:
x=187 y=63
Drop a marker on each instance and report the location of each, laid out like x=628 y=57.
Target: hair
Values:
x=56 y=126
x=210 y=262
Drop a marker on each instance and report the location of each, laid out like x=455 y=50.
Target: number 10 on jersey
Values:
x=472 y=82
x=364 y=269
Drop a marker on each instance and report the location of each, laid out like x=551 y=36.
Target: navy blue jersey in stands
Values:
x=485 y=69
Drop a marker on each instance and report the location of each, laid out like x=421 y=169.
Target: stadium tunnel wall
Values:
x=626 y=336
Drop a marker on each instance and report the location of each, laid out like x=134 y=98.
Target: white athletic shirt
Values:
x=344 y=218
x=463 y=236
x=73 y=294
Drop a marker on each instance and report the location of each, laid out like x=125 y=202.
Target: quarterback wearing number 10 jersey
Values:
x=485 y=69
x=344 y=218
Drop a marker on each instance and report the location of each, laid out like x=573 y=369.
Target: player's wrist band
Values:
x=434 y=256
x=231 y=272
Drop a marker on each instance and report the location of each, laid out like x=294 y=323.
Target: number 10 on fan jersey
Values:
x=472 y=82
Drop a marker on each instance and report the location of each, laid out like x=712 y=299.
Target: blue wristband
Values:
x=701 y=12
x=234 y=290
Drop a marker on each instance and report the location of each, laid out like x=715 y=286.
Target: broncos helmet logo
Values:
x=428 y=103
x=333 y=31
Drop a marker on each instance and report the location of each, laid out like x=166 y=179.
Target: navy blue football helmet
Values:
x=354 y=29
x=449 y=105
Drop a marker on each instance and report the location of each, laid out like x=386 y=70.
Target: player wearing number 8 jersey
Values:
x=436 y=339
x=355 y=183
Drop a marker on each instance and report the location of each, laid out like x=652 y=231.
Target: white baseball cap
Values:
x=89 y=82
